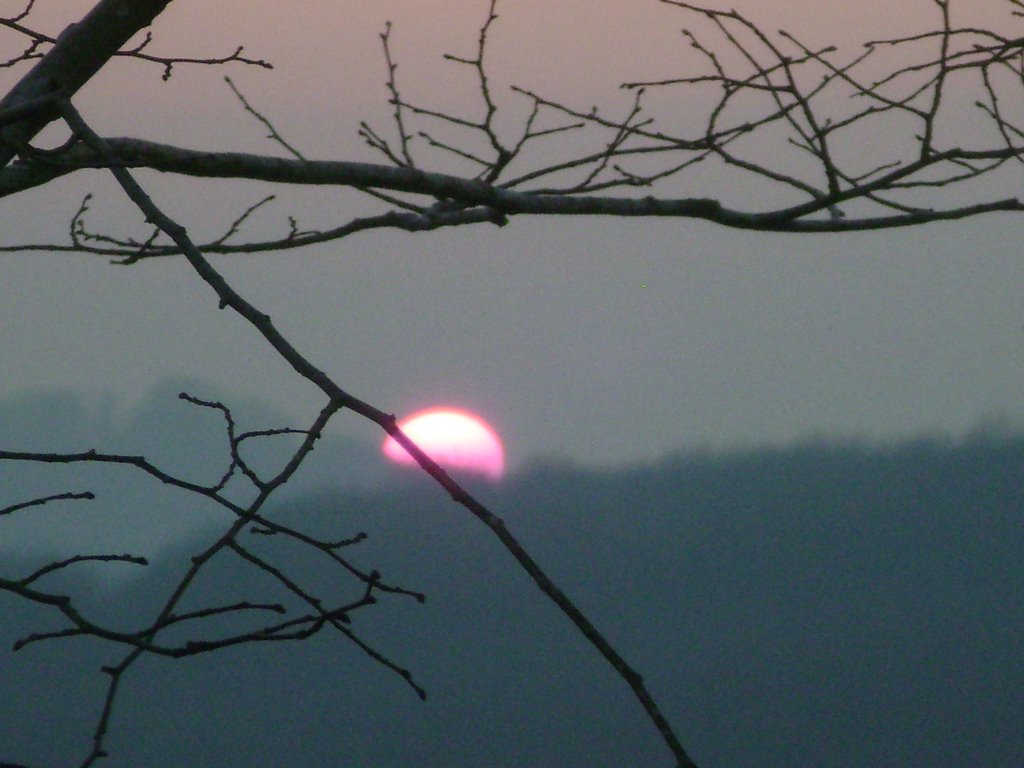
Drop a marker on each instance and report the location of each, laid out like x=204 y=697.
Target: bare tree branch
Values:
x=338 y=399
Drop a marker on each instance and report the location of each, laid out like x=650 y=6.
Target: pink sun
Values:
x=455 y=439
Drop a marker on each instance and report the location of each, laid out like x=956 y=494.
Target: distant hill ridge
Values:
x=824 y=604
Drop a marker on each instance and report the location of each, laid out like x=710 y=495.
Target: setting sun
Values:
x=455 y=439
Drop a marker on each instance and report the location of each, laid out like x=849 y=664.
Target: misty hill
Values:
x=131 y=511
x=820 y=605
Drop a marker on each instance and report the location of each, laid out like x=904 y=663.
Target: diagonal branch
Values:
x=339 y=398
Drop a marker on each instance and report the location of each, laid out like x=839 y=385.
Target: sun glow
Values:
x=455 y=439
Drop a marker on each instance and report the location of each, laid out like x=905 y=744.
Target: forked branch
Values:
x=338 y=399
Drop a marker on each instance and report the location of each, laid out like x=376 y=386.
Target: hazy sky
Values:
x=599 y=341
x=603 y=341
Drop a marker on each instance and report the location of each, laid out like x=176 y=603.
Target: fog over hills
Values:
x=824 y=604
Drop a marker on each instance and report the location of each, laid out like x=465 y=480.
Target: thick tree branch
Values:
x=135 y=153
x=78 y=54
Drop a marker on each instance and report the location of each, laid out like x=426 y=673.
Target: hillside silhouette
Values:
x=824 y=604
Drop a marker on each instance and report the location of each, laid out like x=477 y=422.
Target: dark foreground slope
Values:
x=816 y=606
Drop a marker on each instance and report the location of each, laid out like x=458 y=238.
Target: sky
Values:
x=749 y=589
x=597 y=341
